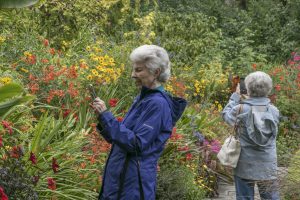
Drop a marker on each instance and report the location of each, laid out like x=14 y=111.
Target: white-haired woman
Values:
x=138 y=141
x=257 y=121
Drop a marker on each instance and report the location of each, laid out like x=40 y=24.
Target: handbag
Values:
x=230 y=151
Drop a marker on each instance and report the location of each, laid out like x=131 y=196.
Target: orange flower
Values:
x=120 y=119
x=72 y=72
x=31 y=59
x=44 y=60
x=34 y=87
x=72 y=91
x=52 y=51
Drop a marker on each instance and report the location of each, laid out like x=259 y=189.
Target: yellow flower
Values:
x=27 y=54
x=99 y=68
x=89 y=77
x=64 y=43
x=101 y=59
x=2 y=39
x=88 y=48
x=24 y=70
x=5 y=80
x=95 y=73
x=152 y=34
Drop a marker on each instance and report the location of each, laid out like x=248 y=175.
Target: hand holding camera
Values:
x=98 y=105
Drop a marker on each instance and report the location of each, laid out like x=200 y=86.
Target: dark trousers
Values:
x=268 y=190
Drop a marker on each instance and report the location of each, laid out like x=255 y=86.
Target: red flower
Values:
x=35 y=179
x=34 y=87
x=3 y=196
x=189 y=156
x=174 y=130
x=32 y=77
x=113 y=102
x=7 y=125
x=51 y=184
x=16 y=152
x=278 y=87
x=254 y=66
x=1 y=142
x=185 y=148
x=66 y=113
x=46 y=42
x=32 y=158
x=120 y=119
x=31 y=59
x=55 y=165
x=44 y=60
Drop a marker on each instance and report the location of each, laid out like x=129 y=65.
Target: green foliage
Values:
x=16 y=3
x=292 y=180
x=196 y=40
x=12 y=95
x=176 y=181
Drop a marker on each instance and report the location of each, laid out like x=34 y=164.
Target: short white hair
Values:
x=154 y=57
x=258 y=84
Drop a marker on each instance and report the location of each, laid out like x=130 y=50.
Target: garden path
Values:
x=227 y=190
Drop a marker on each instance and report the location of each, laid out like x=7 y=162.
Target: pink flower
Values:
x=296 y=58
x=215 y=146
x=3 y=196
x=1 y=142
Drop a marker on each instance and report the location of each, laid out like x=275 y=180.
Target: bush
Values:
x=177 y=182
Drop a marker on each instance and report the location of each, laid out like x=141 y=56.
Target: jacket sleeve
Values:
x=230 y=111
x=148 y=127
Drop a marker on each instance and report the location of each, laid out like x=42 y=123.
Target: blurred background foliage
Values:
x=53 y=49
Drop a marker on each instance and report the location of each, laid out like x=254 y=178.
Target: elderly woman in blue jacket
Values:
x=257 y=122
x=138 y=141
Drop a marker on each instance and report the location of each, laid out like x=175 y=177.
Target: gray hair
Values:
x=154 y=57
x=258 y=84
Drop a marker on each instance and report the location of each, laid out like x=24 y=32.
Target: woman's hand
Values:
x=99 y=105
x=237 y=90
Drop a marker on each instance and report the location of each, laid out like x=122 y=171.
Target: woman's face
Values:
x=142 y=75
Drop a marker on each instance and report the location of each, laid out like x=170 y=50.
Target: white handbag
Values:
x=230 y=151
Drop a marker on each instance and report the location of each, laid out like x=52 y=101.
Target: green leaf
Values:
x=16 y=3
x=6 y=106
x=9 y=91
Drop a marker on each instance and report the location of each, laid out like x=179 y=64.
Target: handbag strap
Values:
x=235 y=133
